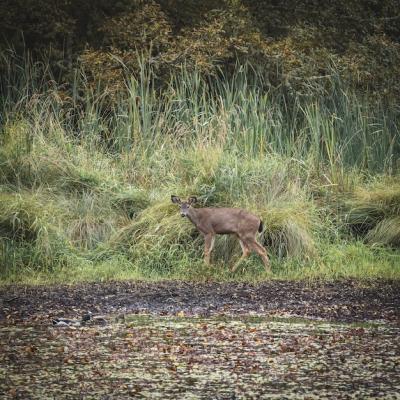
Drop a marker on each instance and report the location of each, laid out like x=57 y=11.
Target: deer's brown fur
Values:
x=220 y=221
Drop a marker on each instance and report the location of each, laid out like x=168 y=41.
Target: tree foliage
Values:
x=293 y=41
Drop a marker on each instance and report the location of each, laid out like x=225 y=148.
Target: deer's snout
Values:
x=184 y=210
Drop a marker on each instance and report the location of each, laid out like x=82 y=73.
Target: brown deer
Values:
x=221 y=221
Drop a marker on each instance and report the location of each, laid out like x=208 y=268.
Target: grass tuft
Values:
x=374 y=213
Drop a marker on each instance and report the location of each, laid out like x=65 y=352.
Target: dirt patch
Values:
x=347 y=301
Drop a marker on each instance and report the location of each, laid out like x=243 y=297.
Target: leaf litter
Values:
x=130 y=340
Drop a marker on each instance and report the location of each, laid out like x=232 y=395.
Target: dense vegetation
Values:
x=297 y=43
x=292 y=115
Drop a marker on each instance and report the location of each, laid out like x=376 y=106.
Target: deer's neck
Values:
x=193 y=216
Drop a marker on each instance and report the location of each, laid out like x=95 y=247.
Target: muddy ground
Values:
x=337 y=301
x=179 y=340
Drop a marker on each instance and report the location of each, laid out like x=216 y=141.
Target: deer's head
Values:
x=184 y=205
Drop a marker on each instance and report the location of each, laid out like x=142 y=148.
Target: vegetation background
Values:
x=288 y=108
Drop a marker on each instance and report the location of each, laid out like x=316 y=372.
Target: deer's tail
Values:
x=260 y=227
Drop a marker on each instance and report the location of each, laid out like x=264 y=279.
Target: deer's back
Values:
x=228 y=220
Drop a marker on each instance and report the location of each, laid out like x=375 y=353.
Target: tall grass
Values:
x=86 y=175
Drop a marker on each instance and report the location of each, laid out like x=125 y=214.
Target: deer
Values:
x=211 y=221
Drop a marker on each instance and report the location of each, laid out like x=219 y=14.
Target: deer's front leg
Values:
x=209 y=240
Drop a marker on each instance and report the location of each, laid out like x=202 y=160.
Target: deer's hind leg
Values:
x=246 y=252
x=254 y=245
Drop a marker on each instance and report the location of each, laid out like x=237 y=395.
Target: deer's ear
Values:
x=175 y=199
x=192 y=199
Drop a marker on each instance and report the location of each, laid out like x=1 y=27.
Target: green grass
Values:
x=85 y=180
